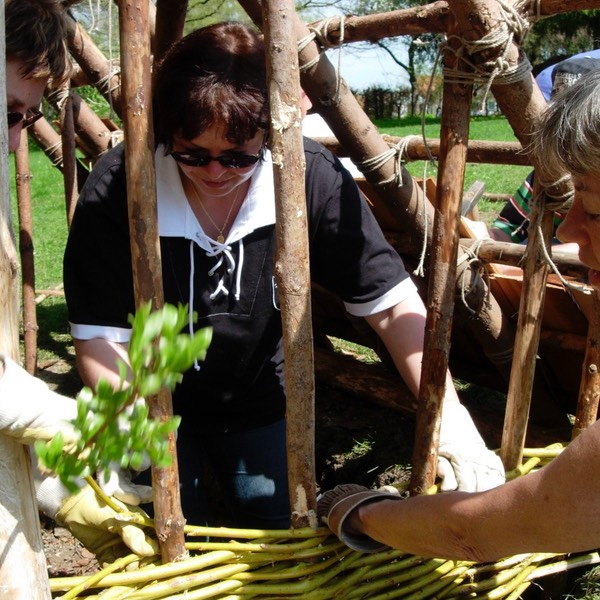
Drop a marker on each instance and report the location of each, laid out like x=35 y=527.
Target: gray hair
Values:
x=568 y=134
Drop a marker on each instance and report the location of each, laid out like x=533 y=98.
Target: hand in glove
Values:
x=335 y=506
x=119 y=485
x=464 y=462
x=97 y=526
x=29 y=410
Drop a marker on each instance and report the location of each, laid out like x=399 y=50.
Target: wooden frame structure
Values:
x=466 y=22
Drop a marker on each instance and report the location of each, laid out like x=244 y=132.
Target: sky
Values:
x=368 y=67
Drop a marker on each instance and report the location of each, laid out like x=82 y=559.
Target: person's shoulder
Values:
x=106 y=176
x=316 y=154
x=112 y=161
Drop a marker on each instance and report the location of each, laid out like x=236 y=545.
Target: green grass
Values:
x=49 y=239
x=504 y=179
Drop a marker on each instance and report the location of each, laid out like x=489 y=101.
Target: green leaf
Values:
x=114 y=427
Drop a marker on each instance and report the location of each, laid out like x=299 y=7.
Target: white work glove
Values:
x=29 y=410
x=119 y=485
x=464 y=462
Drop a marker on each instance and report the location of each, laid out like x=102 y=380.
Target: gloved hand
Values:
x=119 y=485
x=464 y=462
x=29 y=410
x=97 y=526
x=334 y=506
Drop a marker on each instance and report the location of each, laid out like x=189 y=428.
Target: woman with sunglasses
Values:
x=216 y=220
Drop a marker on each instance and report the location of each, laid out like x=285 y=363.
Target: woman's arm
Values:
x=97 y=358
x=552 y=510
x=463 y=461
x=402 y=330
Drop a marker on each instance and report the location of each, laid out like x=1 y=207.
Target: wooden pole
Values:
x=454 y=134
x=518 y=399
x=23 y=185
x=145 y=248
x=43 y=134
x=23 y=574
x=479 y=151
x=292 y=262
x=433 y=17
x=507 y=253
x=170 y=17
x=94 y=64
x=589 y=393
x=69 y=147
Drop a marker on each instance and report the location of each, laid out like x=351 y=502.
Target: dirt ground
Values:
x=355 y=442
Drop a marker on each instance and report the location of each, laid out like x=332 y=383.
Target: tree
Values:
x=414 y=55
x=558 y=37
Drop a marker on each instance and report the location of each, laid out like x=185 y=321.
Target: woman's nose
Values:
x=572 y=227
x=214 y=168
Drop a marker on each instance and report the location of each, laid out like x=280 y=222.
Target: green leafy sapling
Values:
x=112 y=426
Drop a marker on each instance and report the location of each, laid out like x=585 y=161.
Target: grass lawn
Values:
x=49 y=239
x=504 y=179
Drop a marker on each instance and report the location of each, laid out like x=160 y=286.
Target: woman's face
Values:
x=582 y=224
x=215 y=179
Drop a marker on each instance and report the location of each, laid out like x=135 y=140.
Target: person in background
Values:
x=36 y=57
x=216 y=222
x=555 y=508
x=512 y=223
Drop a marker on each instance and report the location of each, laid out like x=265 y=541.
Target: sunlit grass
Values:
x=49 y=239
x=498 y=179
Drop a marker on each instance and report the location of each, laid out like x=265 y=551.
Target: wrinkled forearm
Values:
x=551 y=510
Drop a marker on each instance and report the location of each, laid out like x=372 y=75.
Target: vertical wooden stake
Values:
x=145 y=248
x=23 y=574
x=292 y=262
x=529 y=324
x=589 y=391
x=454 y=135
x=67 y=133
x=23 y=185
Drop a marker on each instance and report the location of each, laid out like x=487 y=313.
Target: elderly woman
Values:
x=554 y=509
x=216 y=220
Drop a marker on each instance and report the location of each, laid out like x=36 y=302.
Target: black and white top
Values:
x=230 y=286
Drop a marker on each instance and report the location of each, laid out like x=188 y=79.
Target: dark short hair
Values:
x=213 y=76
x=35 y=36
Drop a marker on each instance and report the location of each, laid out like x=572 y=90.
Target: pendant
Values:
x=220 y=239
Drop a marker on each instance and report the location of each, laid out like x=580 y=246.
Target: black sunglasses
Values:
x=29 y=118
x=229 y=161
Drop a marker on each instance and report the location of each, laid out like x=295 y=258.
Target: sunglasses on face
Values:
x=229 y=161
x=27 y=119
